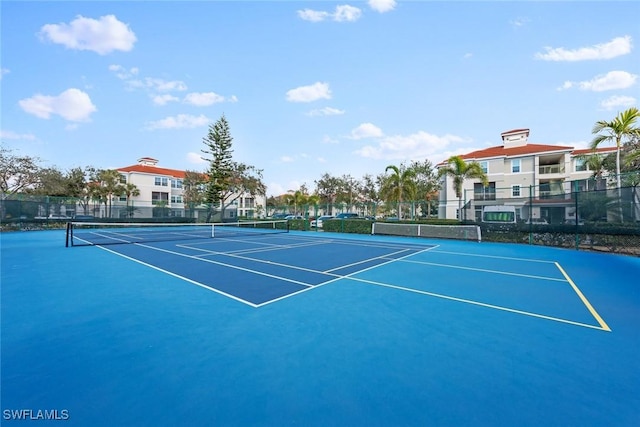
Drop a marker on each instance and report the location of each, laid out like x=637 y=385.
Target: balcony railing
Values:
x=484 y=196
x=550 y=169
x=547 y=195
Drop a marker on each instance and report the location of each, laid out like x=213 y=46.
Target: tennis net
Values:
x=97 y=233
x=461 y=232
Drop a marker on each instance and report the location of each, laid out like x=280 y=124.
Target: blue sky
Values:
x=308 y=88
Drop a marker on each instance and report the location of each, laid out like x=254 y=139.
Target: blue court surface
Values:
x=317 y=329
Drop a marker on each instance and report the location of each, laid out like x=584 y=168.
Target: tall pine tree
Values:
x=218 y=148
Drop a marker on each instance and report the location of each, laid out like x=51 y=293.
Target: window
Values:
x=581 y=165
x=480 y=192
x=176 y=199
x=515 y=166
x=158 y=197
x=515 y=191
x=484 y=166
x=123 y=178
x=162 y=181
x=176 y=183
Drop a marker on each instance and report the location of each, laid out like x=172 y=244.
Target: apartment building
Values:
x=536 y=179
x=161 y=194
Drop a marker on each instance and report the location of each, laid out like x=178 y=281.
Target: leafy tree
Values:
x=369 y=189
x=17 y=173
x=52 y=182
x=107 y=185
x=218 y=144
x=399 y=186
x=427 y=185
x=193 y=190
x=459 y=171
x=246 y=179
x=328 y=188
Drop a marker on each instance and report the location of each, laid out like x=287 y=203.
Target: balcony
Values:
x=551 y=169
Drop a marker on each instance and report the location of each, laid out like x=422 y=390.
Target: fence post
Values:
x=575 y=192
x=531 y=189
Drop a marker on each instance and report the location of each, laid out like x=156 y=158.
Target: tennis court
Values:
x=303 y=328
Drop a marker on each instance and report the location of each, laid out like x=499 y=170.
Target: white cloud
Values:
x=616 y=47
x=382 y=6
x=618 y=101
x=610 y=81
x=519 y=22
x=286 y=159
x=328 y=140
x=342 y=13
x=326 y=111
x=309 y=93
x=122 y=73
x=72 y=104
x=346 y=13
x=203 y=99
x=7 y=134
x=4 y=71
x=164 y=99
x=103 y=35
x=158 y=85
x=195 y=158
x=416 y=146
x=467 y=55
x=366 y=130
x=313 y=15
x=181 y=121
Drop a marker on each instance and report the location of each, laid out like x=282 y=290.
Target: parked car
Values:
x=279 y=216
x=573 y=222
x=347 y=215
x=536 y=221
x=318 y=222
x=293 y=217
x=53 y=217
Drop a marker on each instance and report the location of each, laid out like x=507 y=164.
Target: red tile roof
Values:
x=501 y=151
x=153 y=170
x=597 y=150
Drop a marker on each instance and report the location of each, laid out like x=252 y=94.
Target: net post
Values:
x=66 y=240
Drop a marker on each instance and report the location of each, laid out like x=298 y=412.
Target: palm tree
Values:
x=622 y=127
x=459 y=171
x=399 y=184
x=130 y=190
x=595 y=162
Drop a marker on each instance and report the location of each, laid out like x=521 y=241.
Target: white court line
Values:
x=368 y=260
x=181 y=277
x=269 y=249
x=339 y=277
x=260 y=273
x=496 y=256
x=506 y=273
x=481 y=304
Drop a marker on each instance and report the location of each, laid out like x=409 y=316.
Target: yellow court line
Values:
x=584 y=299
